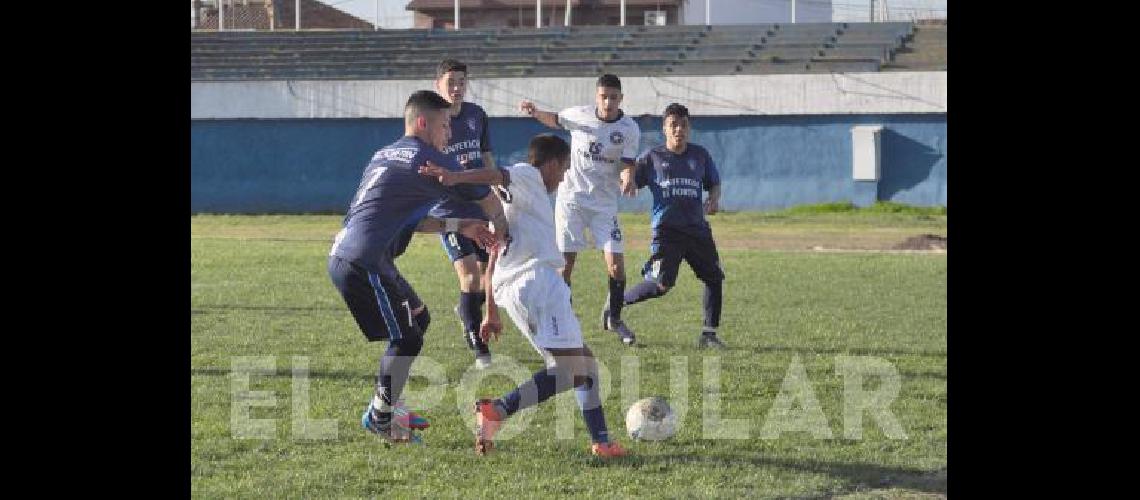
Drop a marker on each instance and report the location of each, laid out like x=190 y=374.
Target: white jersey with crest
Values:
x=530 y=215
x=597 y=149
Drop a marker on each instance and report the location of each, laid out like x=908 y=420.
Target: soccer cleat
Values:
x=487 y=423
x=618 y=326
x=392 y=434
x=408 y=418
x=608 y=450
x=710 y=340
x=483 y=358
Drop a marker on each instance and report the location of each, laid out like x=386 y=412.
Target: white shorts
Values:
x=571 y=222
x=539 y=304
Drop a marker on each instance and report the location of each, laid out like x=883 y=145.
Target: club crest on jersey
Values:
x=616 y=137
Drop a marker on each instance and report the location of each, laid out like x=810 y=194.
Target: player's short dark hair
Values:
x=608 y=80
x=677 y=110
x=449 y=65
x=544 y=147
x=423 y=101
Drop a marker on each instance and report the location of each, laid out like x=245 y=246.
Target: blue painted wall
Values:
x=766 y=162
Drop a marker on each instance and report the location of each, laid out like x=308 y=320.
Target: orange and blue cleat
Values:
x=608 y=450
x=487 y=423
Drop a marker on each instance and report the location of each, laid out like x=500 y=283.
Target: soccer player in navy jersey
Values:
x=676 y=173
x=391 y=197
x=470 y=145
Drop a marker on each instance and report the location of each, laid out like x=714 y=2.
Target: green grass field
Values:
x=259 y=288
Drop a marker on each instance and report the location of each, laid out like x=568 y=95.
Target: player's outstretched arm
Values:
x=494 y=210
x=712 y=203
x=472 y=228
x=544 y=117
x=485 y=175
x=492 y=326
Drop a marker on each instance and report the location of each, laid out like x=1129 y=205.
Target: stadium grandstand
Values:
x=283 y=118
x=570 y=51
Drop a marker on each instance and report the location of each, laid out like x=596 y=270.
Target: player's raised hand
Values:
x=491 y=327
x=528 y=108
x=444 y=175
x=478 y=231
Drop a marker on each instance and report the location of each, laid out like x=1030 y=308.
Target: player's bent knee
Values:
x=409 y=345
x=563 y=372
x=423 y=319
x=469 y=282
x=587 y=373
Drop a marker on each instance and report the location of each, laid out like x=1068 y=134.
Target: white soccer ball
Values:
x=651 y=419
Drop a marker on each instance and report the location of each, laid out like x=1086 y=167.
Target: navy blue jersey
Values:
x=469 y=140
x=393 y=195
x=676 y=181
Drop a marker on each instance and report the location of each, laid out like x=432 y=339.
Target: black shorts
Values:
x=381 y=303
x=669 y=247
x=459 y=246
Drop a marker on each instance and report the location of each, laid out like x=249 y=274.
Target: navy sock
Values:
x=539 y=388
x=590 y=401
x=712 y=304
x=616 y=297
x=643 y=291
x=471 y=312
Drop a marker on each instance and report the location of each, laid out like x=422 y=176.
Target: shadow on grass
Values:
x=332 y=375
x=857 y=476
x=855 y=351
x=209 y=308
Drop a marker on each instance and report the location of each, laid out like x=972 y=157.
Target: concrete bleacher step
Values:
x=793 y=43
x=787 y=53
x=574 y=51
x=843 y=66
x=557 y=49
x=710 y=52
x=705 y=69
x=763 y=68
x=652 y=55
x=879 y=53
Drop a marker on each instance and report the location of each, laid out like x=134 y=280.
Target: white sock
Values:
x=379 y=405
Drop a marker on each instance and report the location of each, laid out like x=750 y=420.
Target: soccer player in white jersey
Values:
x=523 y=277
x=604 y=145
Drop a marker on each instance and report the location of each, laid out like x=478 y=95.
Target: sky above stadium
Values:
x=393 y=15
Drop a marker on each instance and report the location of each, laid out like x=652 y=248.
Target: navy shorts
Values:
x=458 y=246
x=381 y=303
x=669 y=248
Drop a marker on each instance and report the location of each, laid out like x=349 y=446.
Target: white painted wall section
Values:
x=725 y=95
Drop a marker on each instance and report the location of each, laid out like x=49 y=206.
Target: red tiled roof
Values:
x=255 y=16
